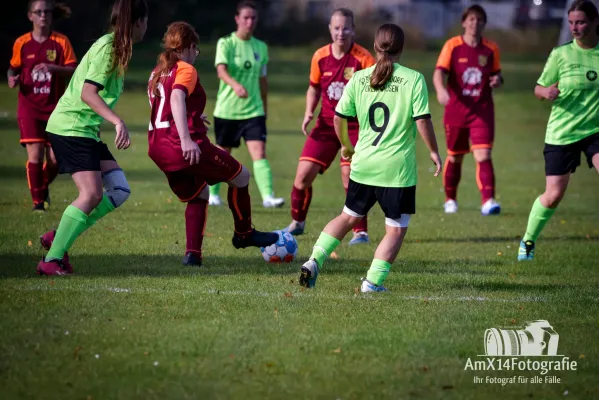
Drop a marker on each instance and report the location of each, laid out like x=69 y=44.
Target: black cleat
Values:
x=254 y=239
x=192 y=260
x=39 y=207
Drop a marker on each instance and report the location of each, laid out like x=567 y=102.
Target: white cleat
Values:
x=491 y=207
x=369 y=287
x=214 y=200
x=273 y=202
x=450 y=207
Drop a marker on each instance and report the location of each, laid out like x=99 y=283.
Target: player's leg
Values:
x=254 y=133
x=34 y=140
x=360 y=199
x=398 y=204
x=50 y=170
x=457 y=145
x=228 y=136
x=196 y=215
x=361 y=229
x=482 y=144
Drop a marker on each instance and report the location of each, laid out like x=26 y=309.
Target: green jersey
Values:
x=575 y=112
x=73 y=117
x=385 y=154
x=246 y=62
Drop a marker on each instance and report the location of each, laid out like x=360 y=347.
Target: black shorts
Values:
x=393 y=201
x=75 y=154
x=229 y=132
x=564 y=159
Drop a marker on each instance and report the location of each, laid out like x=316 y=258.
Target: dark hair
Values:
x=475 y=9
x=586 y=6
x=245 y=4
x=59 y=10
x=178 y=36
x=124 y=14
x=346 y=12
x=388 y=41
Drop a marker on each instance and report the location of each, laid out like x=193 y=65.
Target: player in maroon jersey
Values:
x=332 y=67
x=41 y=61
x=472 y=68
x=180 y=148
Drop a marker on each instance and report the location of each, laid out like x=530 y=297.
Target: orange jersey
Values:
x=163 y=137
x=39 y=92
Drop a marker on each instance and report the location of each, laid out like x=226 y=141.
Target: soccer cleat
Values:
x=273 y=202
x=359 y=238
x=296 y=228
x=526 y=250
x=214 y=200
x=192 y=259
x=47 y=238
x=491 y=207
x=308 y=274
x=53 y=267
x=39 y=207
x=368 y=287
x=450 y=206
x=254 y=239
x=47 y=200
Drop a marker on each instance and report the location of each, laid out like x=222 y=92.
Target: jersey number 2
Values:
x=158 y=123
x=379 y=129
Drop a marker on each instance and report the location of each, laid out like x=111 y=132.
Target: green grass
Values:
x=239 y=328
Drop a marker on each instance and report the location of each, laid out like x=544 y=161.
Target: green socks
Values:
x=72 y=224
x=537 y=219
x=101 y=210
x=323 y=248
x=378 y=271
x=263 y=177
x=214 y=189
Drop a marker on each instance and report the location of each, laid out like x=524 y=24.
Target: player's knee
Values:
x=482 y=155
x=553 y=196
x=302 y=181
x=242 y=179
x=351 y=217
x=455 y=158
x=116 y=186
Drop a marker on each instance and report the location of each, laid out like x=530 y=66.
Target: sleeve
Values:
x=346 y=108
x=367 y=61
x=15 y=61
x=69 y=53
x=496 y=60
x=315 y=73
x=186 y=78
x=222 y=50
x=265 y=58
x=99 y=63
x=550 y=73
x=420 y=108
x=444 y=60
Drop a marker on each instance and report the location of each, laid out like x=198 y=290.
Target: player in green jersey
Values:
x=74 y=131
x=391 y=104
x=240 y=110
x=569 y=80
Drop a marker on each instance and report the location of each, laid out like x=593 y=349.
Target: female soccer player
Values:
x=41 y=61
x=569 y=80
x=472 y=68
x=73 y=129
x=391 y=103
x=179 y=146
x=241 y=106
x=332 y=67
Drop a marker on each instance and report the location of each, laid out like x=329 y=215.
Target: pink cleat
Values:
x=53 y=267
x=46 y=241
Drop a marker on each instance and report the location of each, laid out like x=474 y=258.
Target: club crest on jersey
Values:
x=591 y=75
x=482 y=60
x=51 y=55
x=348 y=73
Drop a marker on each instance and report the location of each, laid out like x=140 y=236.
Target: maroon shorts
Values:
x=322 y=145
x=461 y=140
x=215 y=166
x=33 y=131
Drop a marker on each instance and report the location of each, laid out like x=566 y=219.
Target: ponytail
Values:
x=166 y=60
x=125 y=13
x=388 y=42
x=382 y=72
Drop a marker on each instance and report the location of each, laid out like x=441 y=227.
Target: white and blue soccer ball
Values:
x=283 y=250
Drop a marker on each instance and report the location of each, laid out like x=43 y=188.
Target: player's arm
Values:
x=342 y=131
x=12 y=75
x=496 y=77
x=90 y=96
x=223 y=75
x=546 y=87
x=346 y=108
x=424 y=125
x=313 y=93
x=264 y=89
x=191 y=150
x=14 y=71
x=442 y=71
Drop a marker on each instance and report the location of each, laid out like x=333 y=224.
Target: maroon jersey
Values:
x=163 y=137
x=469 y=70
x=39 y=92
x=330 y=75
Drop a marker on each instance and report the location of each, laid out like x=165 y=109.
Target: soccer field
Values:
x=133 y=323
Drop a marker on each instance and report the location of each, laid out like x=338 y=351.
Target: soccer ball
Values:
x=283 y=250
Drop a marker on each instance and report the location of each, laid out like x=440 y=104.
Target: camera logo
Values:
x=536 y=339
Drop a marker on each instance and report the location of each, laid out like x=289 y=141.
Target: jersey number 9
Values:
x=379 y=129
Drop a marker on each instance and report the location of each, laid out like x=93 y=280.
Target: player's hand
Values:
x=436 y=158
x=495 y=81
x=347 y=153
x=307 y=119
x=13 y=81
x=122 y=140
x=552 y=92
x=443 y=97
x=191 y=151
x=43 y=68
x=205 y=120
x=240 y=91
